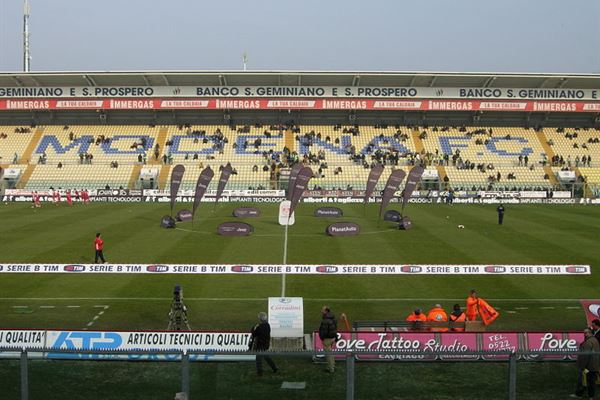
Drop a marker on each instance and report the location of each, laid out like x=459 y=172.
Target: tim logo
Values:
x=157 y=268
x=327 y=269
x=242 y=268
x=411 y=269
x=577 y=270
x=74 y=268
x=494 y=269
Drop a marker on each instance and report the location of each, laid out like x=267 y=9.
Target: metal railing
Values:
x=350 y=358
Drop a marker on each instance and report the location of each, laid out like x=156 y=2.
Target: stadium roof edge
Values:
x=306 y=78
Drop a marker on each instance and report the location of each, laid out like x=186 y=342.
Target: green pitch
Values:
x=558 y=234
x=532 y=234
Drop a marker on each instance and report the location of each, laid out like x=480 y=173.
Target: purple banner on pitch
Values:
x=391 y=186
x=176 y=178
x=201 y=185
x=374 y=175
x=293 y=175
x=300 y=185
x=414 y=176
x=225 y=174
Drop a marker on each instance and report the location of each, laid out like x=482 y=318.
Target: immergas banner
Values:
x=414 y=176
x=225 y=174
x=374 y=175
x=176 y=178
x=314 y=269
x=201 y=185
x=89 y=96
x=391 y=187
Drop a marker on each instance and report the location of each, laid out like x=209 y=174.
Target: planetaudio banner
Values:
x=422 y=346
x=265 y=269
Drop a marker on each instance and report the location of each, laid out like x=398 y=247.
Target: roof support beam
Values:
x=91 y=80
x=222 y=80
x=432 y=81
x=562 y=82
x=147 y=81
x=35 y=81
x=299 y=80
x=488 y=82
x=165 y=79
x=544 y=82
x=356 y=80
x=17 y=81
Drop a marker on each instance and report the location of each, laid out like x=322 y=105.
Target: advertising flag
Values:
x=487 y=312
x=201 y=185
x=176 y=178
x=374 y=175
x=391 y=186
x=591 y=309
x=414 y=176
x=225 y=174
x=293 y=174
x=300 y=185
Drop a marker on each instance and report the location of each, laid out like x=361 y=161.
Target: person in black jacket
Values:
x=596 y=328
x=500 y=211
x=260 y=341
x=327 y=334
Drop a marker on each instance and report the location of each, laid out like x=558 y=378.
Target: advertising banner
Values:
x=552 y=341
x=176 y=178
x=201 y=185
x=177 y=96
x=591 y=309
x=286 y=316
x=499 y=341
x=414 y=176
x=372 y=180
x=300 y=185
x=391 y=187
x=225 y=174
x=331 y=269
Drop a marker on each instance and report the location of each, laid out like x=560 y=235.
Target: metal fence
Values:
x=349 y=358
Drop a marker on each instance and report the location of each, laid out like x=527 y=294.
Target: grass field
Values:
x=532 y=234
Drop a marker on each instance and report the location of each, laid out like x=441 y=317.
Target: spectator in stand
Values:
x=417 y=318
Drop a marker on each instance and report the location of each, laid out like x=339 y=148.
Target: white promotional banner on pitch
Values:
x=300 y=269
x=286 y=316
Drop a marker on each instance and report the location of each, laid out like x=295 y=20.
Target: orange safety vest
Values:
x=437 y=315
x=461 y=318
x=414 y=317
x=472 y=308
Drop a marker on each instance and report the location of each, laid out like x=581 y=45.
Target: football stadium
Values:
x=298 y=234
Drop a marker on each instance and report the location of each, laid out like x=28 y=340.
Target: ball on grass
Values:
x=447 y=217
x=461 y=227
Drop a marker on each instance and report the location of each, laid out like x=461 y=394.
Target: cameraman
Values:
x=260 y=341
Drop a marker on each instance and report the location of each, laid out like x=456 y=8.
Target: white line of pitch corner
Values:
x=264 y=298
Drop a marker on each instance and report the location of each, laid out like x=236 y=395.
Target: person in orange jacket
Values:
x=457 y=316
x=417 y=318
x=437 y=314
x=472 y=306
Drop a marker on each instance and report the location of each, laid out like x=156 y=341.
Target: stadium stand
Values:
x=502 y=158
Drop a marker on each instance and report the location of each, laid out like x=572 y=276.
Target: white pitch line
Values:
x=73 y=306
x=511 y=312
x=329 y=299
x=96 y=317
x=573 y=308
x=102 y=312
x=100 y=306
x=20 y=306
x=47 y=306
x=521 y=308
x=90 y=323
x=546 y=308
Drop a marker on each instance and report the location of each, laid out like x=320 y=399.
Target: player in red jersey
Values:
x=69 y=198
x=99 y=247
